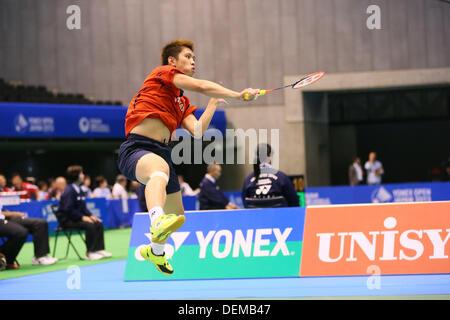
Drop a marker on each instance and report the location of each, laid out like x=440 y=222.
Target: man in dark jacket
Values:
x=72 y=212
x=266 y=186
x=210 y=196
x=16 y=227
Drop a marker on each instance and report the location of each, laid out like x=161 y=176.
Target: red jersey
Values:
x=159 y=98
x=31 y=191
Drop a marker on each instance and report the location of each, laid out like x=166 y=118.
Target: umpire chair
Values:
x=68 y=233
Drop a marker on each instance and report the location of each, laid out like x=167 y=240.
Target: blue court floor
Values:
x=105 y=281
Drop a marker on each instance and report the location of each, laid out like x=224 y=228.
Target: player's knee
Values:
x=146 y=172
x=159 y=175
x=161 y=167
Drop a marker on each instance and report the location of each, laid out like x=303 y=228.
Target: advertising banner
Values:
x=99 y=207
x=224 y=244
x=385 y=193
x=49 y=120
x=409 y=238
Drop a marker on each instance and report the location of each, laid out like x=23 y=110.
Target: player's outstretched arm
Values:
x=198 y=127
x=211 y=89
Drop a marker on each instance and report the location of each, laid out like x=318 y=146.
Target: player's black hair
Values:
x=73 y=173
x=262 y=152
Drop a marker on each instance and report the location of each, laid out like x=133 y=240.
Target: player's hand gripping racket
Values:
x=302 y=82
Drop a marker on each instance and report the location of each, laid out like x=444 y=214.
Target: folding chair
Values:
x=68 y=233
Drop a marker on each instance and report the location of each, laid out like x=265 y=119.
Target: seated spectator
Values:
x=268 y=184
x=119 y=190
x=51 y=184
x=102 y=190
x=186 y=189
x=43 y=190
x=210 y=196
x=31 y=180
x=60 y=186
x=30 y=190
x=3 y=182
x=86 y=186
x=16 y=227
x=72 y=212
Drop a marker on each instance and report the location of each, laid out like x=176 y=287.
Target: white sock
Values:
x=157 y=248
x=154 y=213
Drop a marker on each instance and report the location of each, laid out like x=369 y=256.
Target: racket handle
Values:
x=261 y=93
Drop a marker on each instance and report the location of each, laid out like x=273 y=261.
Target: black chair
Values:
x=270 y=202
x=4 y=239
x=68 y=233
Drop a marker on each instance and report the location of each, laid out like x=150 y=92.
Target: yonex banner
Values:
x=385 y=193
x=45 y=120
x=224 y=244
x=409 y=238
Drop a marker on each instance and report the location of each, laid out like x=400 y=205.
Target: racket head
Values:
x=307 y=80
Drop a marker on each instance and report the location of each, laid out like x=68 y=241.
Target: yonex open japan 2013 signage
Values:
x=47 y=120
x=225 y=244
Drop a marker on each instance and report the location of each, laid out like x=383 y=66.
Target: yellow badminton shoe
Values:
x=164 y=225
x=160 y=262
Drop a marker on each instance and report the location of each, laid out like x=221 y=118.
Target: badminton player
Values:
x=156 y=110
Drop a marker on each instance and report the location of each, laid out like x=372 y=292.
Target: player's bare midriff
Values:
x=153 y=129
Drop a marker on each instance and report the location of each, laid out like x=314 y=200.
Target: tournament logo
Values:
x=20 y=123
x=83 y=124
x=381 y=195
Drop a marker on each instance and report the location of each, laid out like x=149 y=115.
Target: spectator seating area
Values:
x=11 y=91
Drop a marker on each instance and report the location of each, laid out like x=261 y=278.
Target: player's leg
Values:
x=174 y=203
x=153 y=171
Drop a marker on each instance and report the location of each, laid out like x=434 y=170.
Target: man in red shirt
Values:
x=19 y=185
x=156 y=110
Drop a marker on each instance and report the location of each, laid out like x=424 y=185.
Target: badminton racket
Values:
x=302 y=82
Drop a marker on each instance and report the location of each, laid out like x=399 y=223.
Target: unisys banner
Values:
x=252 y=243
x=411 y=238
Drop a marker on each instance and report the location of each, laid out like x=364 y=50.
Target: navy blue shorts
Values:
x=137 y=146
